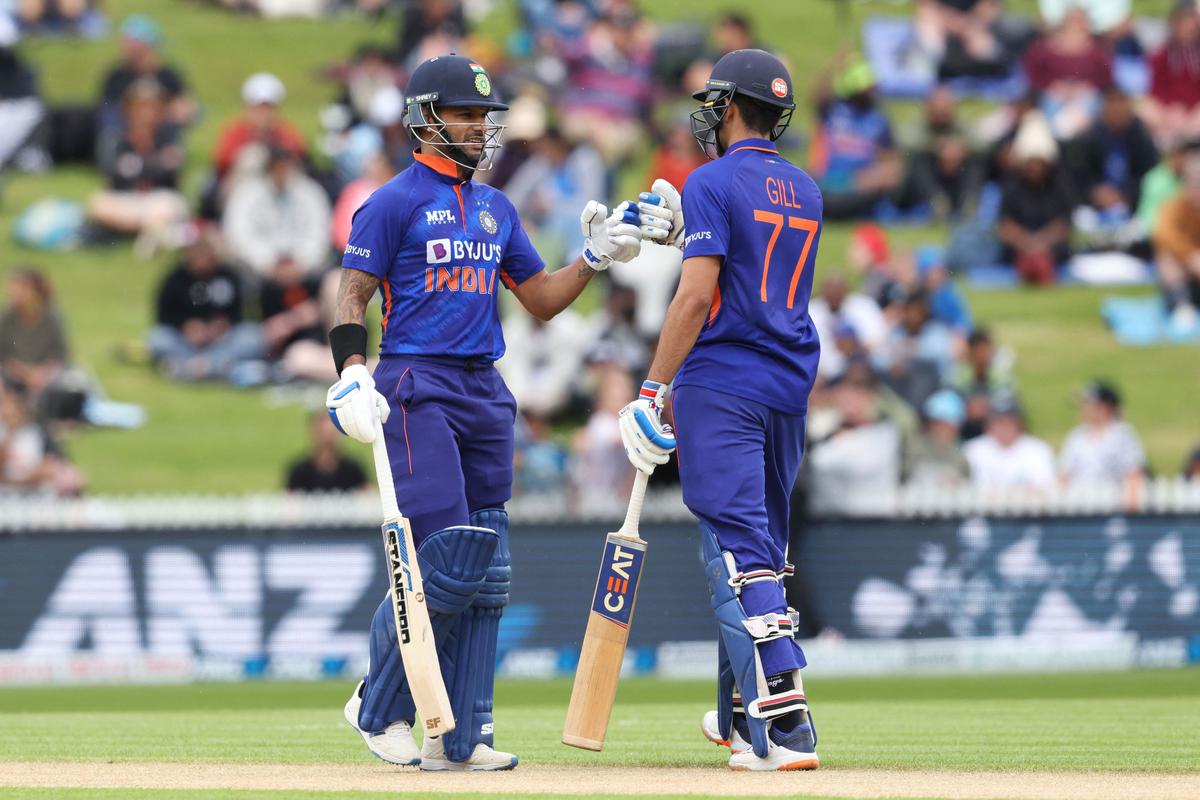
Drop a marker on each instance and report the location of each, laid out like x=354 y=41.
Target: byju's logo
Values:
x=437 y=251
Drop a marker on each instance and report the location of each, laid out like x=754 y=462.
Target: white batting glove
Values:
x=354 y=405
x=609 y=237
x=660 y=213
x=648 y=440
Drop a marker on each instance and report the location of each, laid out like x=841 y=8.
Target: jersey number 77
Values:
x=807 y=227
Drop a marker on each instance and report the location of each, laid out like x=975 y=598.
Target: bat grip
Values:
x=630 y=528
x=383 y=473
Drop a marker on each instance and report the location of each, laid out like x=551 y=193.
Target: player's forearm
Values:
x=685 y=318
x=554 y=291
x=354 y=292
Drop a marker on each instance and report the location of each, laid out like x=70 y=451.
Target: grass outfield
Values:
x=217 y=439
x=1139 y=721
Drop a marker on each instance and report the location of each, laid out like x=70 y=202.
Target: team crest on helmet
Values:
x=483 y=84
x=779 y=87
x=488 y=221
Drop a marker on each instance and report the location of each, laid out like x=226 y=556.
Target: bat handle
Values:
x=630 y=529
x=383 y=473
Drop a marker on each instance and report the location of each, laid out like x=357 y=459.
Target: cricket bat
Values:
x=414 y=632
x=607 y=629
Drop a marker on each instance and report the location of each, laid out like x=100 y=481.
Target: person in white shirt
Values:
x=1104 y=449
x=1005 y=457
x=839 y=308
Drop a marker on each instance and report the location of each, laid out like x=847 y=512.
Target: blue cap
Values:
x=142 y=29
x=946 y=406
x=929 y=258
x=753 y=73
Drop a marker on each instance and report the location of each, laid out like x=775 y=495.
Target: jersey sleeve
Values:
x=375 y=233
x=520 y=261
x=706 y=215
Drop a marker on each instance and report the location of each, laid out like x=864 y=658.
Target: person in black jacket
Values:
x=325 y=469
x=1108 y=162
x=200 y=333
x=21 y=110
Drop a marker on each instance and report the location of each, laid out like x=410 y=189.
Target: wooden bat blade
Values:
x=604 y=642
x=414 y=631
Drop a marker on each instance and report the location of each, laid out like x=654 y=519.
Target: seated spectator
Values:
x=677 y=156
x=1104 y=448
x=856 y=469
x=143 y=169
x=29 y=460
x=1110 y=21
x=732 y=31
x=1172 y=109
x=1005 y=457
x=382 y=132
x=560 y=176
x=293 y=328
x=962 y=37
x=55 y=15
x=869 y=254
x=325 y=468
x=1035 y=209
x=943 y=170
x=1177 y=248
x=854 y=158
x=33 y=339
x=424 y=18
x=540 y=464
x=21 y=108
x=936 y=459
x=1163 y=182
x=844 y=318
x=984 y=369
x=614 y=338
x=141 y=61
x=543 y=360
x=260 y=123
x=1068 y=69
x=1191 y=467
x=918 y=354
x=1109 y=162
x=600 y=472
x=610 y=83
x=283 y=214
x=199 y=332
x=376 y=172
x=946 y=303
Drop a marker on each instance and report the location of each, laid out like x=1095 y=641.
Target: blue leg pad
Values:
x=475 y=646
x=454 y=563
x=741 y=636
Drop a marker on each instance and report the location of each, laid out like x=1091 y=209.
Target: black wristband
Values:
x=345 y=341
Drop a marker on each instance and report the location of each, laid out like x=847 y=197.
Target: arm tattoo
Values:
x=585 y=271
x=354 y=292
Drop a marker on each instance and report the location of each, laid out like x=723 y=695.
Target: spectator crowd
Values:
x=910 y=389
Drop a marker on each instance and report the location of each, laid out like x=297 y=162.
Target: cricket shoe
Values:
x=483 y=758
x=395 y=745
x=737 y=741
x=796 y=749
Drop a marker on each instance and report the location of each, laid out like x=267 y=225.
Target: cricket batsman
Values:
x=438 y=246
x=740 y=352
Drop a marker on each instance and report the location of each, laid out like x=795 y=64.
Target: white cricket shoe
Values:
x=395 y=745
x=793 y=751
x=712 y=732
x=483 y=758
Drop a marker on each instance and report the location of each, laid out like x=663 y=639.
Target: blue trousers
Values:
x=450 y=438
x=738 y=461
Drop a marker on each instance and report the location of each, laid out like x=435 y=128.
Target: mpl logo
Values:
x=620 y=569
x=440 y=217
x=437 y=251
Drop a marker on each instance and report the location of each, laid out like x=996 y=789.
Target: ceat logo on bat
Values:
x=779 y=87
x=616 y=588
x=437 y=251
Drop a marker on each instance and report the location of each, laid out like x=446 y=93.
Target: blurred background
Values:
x=1005 y=435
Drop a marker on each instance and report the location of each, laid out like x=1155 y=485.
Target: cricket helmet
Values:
x=451 y=81
x=755 y=74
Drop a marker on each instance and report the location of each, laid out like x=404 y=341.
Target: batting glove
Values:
x=660 y=213
x=609 y=237
x=648 y=440
x=354 y=405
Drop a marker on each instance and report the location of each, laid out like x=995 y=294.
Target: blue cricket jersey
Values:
x=440 y=247
x=762 y=216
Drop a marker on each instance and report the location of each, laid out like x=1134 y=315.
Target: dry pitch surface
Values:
x=1129 y=736
x=602 y=781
